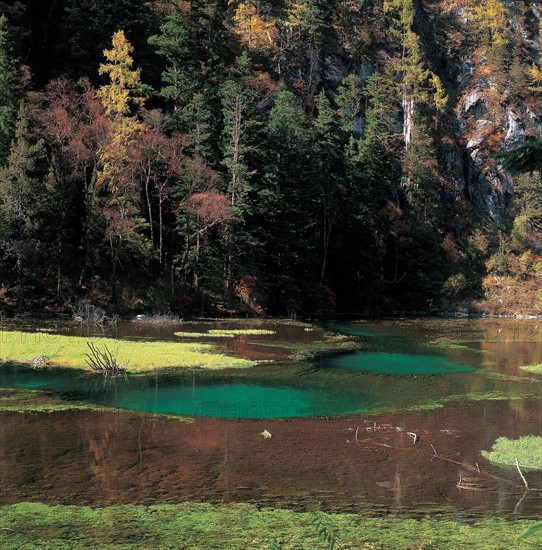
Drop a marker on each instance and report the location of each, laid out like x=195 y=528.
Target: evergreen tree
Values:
x=238 y=102
x=9 y=89
x=34 y=206
x=287 y=260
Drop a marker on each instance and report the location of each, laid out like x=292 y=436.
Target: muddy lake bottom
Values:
x=349 y=464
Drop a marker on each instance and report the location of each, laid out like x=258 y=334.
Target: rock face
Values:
x=491 y=108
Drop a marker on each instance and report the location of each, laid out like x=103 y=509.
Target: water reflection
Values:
x=335 y=464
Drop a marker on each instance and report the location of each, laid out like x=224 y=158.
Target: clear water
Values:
x=346 y=464
x=394 y=363
x=174 y=395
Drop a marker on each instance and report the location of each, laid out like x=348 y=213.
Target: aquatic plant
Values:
x=200 y=526
x=85 y=312
x=527 y=450
x=536 y=369
x=104 y=362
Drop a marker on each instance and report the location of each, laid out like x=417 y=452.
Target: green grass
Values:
x=527 y=449
x=241 y=526
x=217 y=333
x=536 y=369
x=141 y=355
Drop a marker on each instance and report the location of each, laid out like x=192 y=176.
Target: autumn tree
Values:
x=489 y=19
x=125 y=225
x=419 y=85
x=255 y=29
x=72 y=121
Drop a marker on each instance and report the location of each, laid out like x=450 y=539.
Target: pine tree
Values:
x=419 y=83
x=26 y=223
x=9 y=89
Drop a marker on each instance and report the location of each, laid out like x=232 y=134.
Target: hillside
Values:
x=301 y=157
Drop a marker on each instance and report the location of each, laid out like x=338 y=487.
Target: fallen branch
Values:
x=103 y=362
x=471 y=468
x=521 y=474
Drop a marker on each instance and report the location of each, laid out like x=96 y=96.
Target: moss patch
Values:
x=217 y=333
x=204 y=526
x=14 y=400
x=527 y=450
x=536 y=369
x=141 y=355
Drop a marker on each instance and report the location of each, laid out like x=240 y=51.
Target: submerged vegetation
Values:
x=239 y=526
x=527 y=450
x=36 y=401
x=142 y=355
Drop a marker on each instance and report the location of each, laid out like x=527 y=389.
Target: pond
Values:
x=339 y=423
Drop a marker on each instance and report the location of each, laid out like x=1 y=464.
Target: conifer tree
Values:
x=419 y=83
x=32 y=208
x=9 y=89
x=125 y=224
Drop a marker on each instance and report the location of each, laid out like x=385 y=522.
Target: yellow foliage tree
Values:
x=253 y=30
x=534 y=72
x=119 y=97
x=419 y=84
x=490 y=20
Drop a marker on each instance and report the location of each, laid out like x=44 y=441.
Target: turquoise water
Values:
x=172 y=395
x=393 y=363
x=321 y=393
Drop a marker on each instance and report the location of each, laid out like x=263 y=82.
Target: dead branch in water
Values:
x=103 y=362
x=521 y=474
x=479 y=471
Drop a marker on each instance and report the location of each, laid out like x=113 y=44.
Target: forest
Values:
x=269 y=157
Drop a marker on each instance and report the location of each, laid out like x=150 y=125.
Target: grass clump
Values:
x=527 y=450
x=536 y=369
x=142 y=355
x=241 y=526
x=218 y=333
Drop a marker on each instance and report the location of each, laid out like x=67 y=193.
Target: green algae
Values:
x=242 y=526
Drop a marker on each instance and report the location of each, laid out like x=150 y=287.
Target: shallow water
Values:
x=349 y=463
x=169 y=394
x=402 y=369
x=399 y=364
